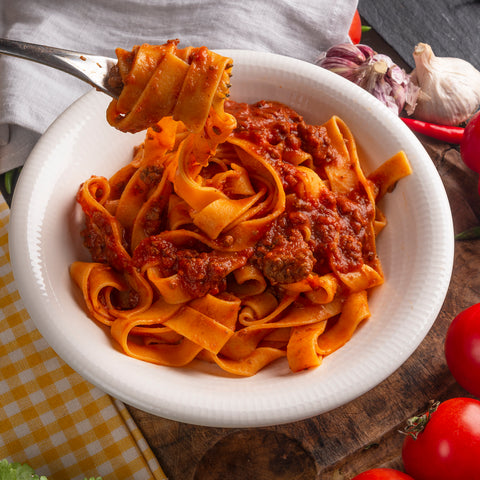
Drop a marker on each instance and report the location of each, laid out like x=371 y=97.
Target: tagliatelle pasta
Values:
x=236 y=236
x=161 y=80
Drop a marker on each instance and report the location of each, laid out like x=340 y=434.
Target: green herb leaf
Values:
x=18 y=471
x=469 y=234
x=22 y=471
x=8 y=181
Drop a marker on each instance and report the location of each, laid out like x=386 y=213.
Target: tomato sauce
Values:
x=199 y=271
x=312 y=235
x=337 y=226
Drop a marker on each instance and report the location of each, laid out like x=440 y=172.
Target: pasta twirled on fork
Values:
x=161 y=80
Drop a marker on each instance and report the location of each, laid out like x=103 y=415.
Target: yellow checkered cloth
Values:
x=50 y=417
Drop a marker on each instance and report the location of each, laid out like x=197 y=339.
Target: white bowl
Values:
x=416 y=250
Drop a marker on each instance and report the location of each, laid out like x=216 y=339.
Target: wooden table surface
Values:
x=363 y=433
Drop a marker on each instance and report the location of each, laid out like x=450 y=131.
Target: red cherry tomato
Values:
x=355 y=32
x=462 y=348
x=382 y=474
x=470 y=143
x=448 y=448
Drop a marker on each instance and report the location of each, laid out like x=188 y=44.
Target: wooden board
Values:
x=361 y=434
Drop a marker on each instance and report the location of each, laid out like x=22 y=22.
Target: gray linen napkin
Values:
x=32 y=95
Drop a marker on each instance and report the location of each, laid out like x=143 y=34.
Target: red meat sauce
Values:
x=338 y=225
x=199 y=270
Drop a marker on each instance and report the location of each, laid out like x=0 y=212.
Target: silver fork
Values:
x=93 y=69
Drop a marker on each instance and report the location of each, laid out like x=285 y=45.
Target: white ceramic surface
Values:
x=416 y=249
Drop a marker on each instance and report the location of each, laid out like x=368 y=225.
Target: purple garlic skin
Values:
x=375 y=73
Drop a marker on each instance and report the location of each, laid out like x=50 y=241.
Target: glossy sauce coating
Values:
x=337 y=223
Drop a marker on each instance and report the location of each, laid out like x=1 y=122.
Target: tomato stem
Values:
x=416 y=425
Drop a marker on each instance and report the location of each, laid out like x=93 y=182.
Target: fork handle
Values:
x=92 y=69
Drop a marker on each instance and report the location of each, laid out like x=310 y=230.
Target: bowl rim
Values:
x=26 y=263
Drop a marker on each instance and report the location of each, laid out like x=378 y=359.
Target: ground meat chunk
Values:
x=114 y=80
x=290 y=260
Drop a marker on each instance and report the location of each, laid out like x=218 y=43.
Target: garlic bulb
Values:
x=450 y=87
x=374 y=72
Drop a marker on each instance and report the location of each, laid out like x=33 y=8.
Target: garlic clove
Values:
x=353 y=53
x=366 y=50
x=341 y=66
x=450 y=87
